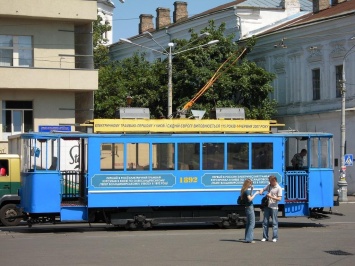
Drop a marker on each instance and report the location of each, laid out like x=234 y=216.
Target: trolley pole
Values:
x=170 y=81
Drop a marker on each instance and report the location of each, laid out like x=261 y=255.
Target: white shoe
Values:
x=263 y=240
x=274 y=240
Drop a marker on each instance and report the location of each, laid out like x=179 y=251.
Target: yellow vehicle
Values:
x=9 y=184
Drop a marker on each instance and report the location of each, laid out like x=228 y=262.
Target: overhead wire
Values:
x=226 y=65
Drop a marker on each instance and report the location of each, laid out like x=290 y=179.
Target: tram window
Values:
x=111 y=156
x=238 y=155
x=44 y=154
x=262 y=156
x=213 y=156
x=320 y=155
x=138 y=156
x=163 y=156
x=188 y=156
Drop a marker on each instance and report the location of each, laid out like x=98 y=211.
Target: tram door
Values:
x=313 y=182
x=73 y=167
x=321 y=173
x=296 y=177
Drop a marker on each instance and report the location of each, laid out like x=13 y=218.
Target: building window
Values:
x=17 y=117
x=16 y=51
x=338 y=80
x=316 y=83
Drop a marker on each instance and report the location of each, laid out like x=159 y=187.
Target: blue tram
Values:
x=141 y=179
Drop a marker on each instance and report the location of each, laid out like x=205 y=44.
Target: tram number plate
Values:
x=188 y=179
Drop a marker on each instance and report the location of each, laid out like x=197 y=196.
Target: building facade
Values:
x=105 y=10
x=243 y=18
x=307 y=44
x=46 y=65
x=308 y=56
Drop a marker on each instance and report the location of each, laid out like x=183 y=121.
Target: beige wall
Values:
x=50 y=40
x=62 y=81
x=57 y=79
x=52 y=108
x=53 y=9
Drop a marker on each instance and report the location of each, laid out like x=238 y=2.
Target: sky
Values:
x=126 y=15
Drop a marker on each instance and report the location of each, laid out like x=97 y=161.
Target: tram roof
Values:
x=76 y=135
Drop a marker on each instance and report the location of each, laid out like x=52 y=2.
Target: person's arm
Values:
x=278 y=197
x=261 y=191
x=251 y=196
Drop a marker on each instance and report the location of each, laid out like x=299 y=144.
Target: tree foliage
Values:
x=133 y=77
x=243 y=84
x=101 y=51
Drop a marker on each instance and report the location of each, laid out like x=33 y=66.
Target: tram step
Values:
x=72 y=203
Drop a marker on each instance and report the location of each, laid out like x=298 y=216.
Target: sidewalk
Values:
x=351 y=199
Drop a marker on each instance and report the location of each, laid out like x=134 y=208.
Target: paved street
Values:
x=302 y=242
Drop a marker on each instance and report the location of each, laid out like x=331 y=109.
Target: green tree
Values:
x=135 y=77
x=243 y=84
x=101 y=51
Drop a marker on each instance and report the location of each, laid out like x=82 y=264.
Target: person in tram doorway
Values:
x=247 y=196
x=297 y=160
x=274 y=195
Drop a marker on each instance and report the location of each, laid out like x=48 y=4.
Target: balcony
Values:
x=48 y=79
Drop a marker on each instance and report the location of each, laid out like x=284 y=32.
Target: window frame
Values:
x=316 y=83
x=20 y=52
x=8 y=113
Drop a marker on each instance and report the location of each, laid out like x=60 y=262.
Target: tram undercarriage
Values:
x=146 y=218
x=132 y=218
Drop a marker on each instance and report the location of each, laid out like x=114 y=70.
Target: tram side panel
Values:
x=40 y=192
x=131 y=190
x=174 y=188
x=159 y=188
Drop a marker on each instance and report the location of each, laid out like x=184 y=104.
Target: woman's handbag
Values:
x=240 y=201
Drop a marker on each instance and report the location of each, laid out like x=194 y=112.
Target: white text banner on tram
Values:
x=180 y=125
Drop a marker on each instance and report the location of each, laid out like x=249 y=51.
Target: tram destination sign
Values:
x=180 y=126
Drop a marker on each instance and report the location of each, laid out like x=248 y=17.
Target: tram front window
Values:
x=321 y=153
x=39 y=154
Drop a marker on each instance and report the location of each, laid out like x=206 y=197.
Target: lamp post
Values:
x=170 y=55
x=342 y=184
x=129 y=99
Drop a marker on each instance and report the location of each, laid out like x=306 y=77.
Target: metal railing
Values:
x=71 y=189
x=296 y=186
